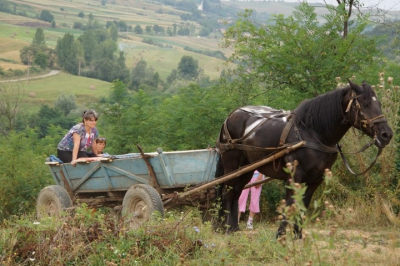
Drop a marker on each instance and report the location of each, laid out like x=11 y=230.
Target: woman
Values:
x=79 y=139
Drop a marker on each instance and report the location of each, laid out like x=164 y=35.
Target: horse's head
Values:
x=364 y=113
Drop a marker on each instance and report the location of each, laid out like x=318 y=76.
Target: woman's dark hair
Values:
x=89 y=114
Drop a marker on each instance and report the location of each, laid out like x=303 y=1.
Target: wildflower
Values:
x=390 y=80
x=196 y=229
x=36 y=222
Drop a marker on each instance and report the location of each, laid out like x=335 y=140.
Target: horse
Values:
x=252 y=133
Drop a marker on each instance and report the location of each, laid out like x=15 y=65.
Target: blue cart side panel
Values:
x=182 y=168
x=172 y=169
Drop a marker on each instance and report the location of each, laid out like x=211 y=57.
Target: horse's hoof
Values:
x=279 y=234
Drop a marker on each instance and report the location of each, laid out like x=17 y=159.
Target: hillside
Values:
x=18 y=31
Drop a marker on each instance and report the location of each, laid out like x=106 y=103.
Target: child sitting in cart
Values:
x=98 y=148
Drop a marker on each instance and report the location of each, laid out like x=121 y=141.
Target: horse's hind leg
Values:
x=232 y=160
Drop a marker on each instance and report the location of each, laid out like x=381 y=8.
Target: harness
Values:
x=274 y=114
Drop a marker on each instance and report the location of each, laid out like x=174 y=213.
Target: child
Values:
x=254 y=199
x=98 y=147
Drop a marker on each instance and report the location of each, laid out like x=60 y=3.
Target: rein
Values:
x=366 y=146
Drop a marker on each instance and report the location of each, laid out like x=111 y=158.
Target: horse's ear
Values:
x=355 y=87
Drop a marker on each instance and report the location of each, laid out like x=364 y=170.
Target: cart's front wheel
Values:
x=52 y=200
x=139 y=203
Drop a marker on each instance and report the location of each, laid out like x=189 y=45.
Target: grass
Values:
x=47 y=90
x=180 y=238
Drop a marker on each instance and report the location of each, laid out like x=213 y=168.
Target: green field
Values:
x=47 y=90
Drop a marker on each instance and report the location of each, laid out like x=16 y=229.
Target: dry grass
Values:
x=180 y=238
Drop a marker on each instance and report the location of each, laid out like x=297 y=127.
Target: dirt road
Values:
x=51 y=73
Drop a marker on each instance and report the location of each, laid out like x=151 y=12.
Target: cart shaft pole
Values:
x=243 y=170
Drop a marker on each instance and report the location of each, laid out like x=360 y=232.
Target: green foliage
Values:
x=89 y=42
x=5 y=6
x=22 y=173
x=67 y=55
x=297 y=52
x=39 y=37
x=81 y=14
x=138 y=29
x=142 y=75
x=50 y=116
x=45 y=15
x=41 y=60
x=66 y=103
x=188 y=67
x=388 y=38
x=11 y=97
x=113 y=32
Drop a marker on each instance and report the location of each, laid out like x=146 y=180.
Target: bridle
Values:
x=363 y=122
x=366 y=122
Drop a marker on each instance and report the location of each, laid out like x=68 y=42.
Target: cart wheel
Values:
x=139 y=203
x=52 y=200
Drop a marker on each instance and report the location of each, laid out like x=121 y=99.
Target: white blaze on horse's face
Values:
x=374 y=99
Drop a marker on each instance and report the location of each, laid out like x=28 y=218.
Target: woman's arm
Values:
x=75 y=150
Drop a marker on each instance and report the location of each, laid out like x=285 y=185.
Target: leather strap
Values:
x=286 y=131
x=364 y=148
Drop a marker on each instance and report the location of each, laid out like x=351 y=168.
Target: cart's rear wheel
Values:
x=52 y=200
x=139 y=203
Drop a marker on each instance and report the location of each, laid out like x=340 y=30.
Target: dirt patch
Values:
x=33 y=24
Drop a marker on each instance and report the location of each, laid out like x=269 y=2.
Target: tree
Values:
x=158 y=29
x=66 y=103
x=188 y=67
x=138 y=75
x=67 y=55
x=10 y=101
x=138 y=29
x=113 y=32
x=81 y=14
x=297 y=52
x=80 y=54
x=39 y=37
x=119 y=93
x=45 y=15
x=148 y=29
x=105 y=49
x=28 y=53
x=89 y=42
x=41 y=60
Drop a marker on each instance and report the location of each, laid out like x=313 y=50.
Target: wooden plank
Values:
x=153 y=179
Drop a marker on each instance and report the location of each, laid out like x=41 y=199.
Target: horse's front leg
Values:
x=311 y=188
x=289 y=201
x=297 y=227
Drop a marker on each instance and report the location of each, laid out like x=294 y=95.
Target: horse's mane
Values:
x=321 y=113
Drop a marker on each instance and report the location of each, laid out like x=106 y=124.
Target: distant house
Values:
x=200 y=7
